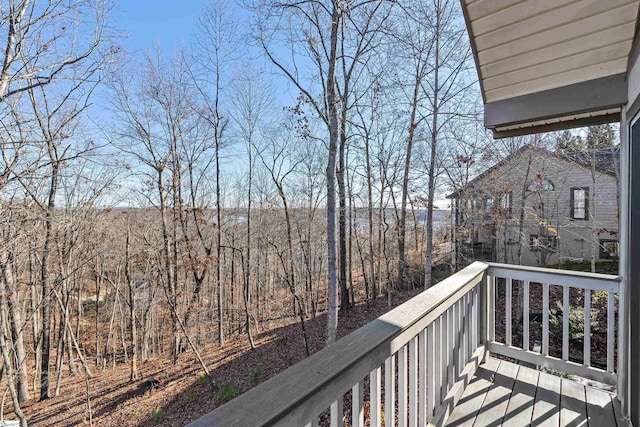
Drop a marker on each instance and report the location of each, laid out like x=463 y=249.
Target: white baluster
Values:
x=508 y=318
x=390 y=391
x=357 y=405
x=413 y=382
x=525 y=317
x=375 y=380
x=402 y=387
x=337 y=413
x=431 y=371
x=587 y=328
x=565 y=323
x=422 y=383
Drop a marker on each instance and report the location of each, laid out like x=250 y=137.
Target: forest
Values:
x=290 y=163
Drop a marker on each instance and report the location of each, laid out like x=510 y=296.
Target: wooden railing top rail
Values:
x=304 y=390
x=576 y=279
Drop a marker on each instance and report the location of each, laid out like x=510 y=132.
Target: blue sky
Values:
x=147 y=22
x=144 y=24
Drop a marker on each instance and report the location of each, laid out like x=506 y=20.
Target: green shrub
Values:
x=157 y=412
x=256 y=375
x=228 y=391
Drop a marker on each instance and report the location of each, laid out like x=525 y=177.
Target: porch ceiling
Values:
x=551 y=64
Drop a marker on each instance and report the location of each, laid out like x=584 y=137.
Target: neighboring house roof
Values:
x=605 y=162
x=607 y=159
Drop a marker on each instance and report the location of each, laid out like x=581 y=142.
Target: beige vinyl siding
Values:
x=574 y=235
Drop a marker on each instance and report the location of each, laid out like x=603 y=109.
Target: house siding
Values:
x=545 y=211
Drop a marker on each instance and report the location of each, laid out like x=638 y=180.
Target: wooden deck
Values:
x=503 y=393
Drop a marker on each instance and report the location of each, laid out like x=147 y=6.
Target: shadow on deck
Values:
x=503 y=393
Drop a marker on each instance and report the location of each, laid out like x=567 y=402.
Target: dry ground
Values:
x=183 y=394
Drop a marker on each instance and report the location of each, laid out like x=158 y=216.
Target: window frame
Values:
x=541 y=185
x=489 y=203
x=572 y=203
x=506 y=203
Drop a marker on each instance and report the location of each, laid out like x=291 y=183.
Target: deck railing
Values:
x=573 y=312
x=430 y=346
x=414 y=362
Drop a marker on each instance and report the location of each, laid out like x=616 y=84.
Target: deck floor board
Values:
x=503 y=393
x=495 y=404
x=474 y=395
x=523 y=397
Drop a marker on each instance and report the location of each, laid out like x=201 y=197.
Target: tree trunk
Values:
x=353 y=214
x=405 y=179
x=432 y=161
x=219 y=246
x=7 y=364
x=45 y=283
x=247 y=264
x=133 y=373
x=17 y=332
x=372 y=266
x=334 y=134
x=342 y=196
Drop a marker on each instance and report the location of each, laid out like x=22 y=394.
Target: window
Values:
x=538 y=243
x=547 y=185
x=609 y=249
x=541 y=185
x=579 y=203
x=506 y=203
x=489 y=203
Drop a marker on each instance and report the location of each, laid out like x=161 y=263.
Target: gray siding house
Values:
x=539 y=208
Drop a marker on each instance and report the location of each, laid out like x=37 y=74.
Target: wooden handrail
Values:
x=575 y=279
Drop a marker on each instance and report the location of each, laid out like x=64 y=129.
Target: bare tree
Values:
x=449 y=83
x=47 y=43
x=158 y=120
x=417 y=57
x=44 y=40
x=274 y=158
x=317 y=31
x=359 y=37
x=57 y=109
x=252 y=103
x=217 y=45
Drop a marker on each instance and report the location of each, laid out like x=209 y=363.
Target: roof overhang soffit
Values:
x=581 y=104
x=551 y=64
